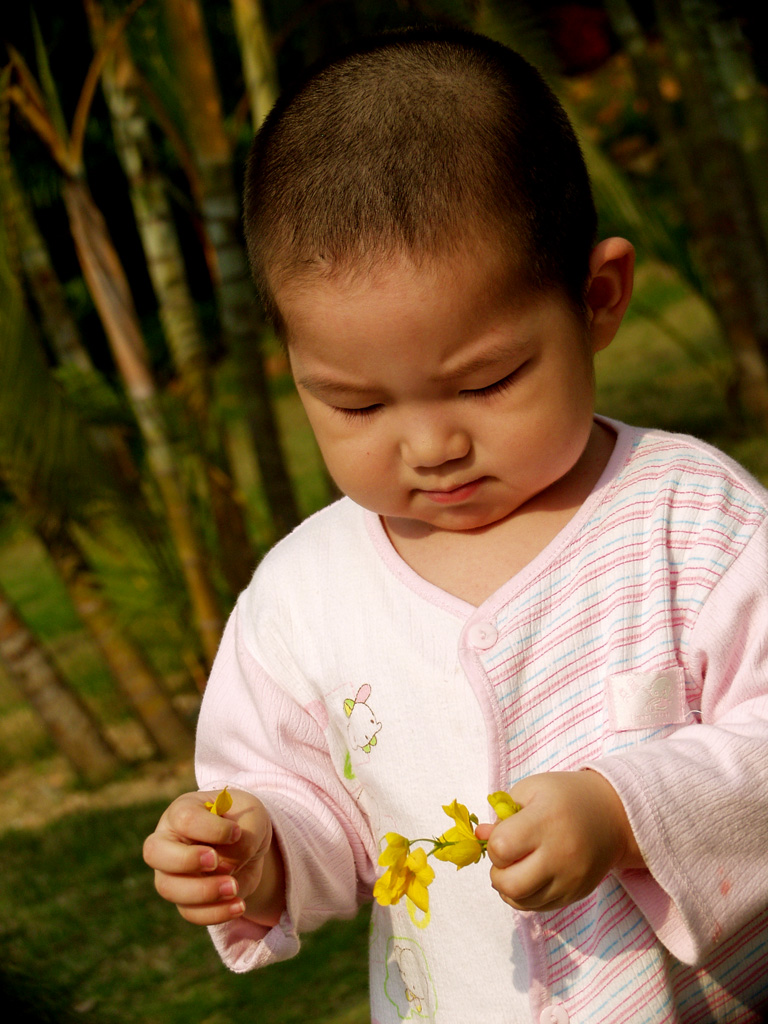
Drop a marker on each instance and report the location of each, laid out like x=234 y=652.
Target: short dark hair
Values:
x=418 y=141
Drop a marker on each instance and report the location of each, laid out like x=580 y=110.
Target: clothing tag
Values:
x=646 y=700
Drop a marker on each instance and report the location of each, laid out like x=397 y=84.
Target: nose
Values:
x=432 y=440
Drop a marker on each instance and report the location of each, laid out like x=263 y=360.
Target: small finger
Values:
x=216 y=913
x=526 y=880
x=175 y=858
x=537 y=902
x=510 y=841
x=195 y=890
x=192 y=821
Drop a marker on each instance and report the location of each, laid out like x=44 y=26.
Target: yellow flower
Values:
x=503 y=804
x=221 y=804
x=390 y=888
x=407 y=871
x=459 y=844
x=408 y=874
x=420 y=875
x=397 y=849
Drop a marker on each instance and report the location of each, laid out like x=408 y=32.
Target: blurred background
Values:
x=152 y=447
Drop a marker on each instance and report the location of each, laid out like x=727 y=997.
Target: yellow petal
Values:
x=390 y=888
x=503 y=804
x=395 y=851
x=395 y=839
x=417 y=864
x=460 y=815
x=221 y=804
x=455 y=835
x=417 y=893
x=460 y=851
x=420 y=876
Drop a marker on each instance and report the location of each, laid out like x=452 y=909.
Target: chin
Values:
x=464 y=521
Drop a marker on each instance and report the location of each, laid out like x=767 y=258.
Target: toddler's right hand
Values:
x=215 y=868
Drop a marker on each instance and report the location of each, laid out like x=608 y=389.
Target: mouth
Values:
x=453 y=495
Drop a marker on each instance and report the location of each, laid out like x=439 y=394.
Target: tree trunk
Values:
x=136 y=680
x=241 y=321
x=60 y=328
x=58 y=324
x=727 y=164
x=748 y=103
x=732 y=245
x=154 y=219
x=714 y=192
x=52 y=481
x=108 y=286
x=66 y=718
x=178 y=312
x=257 y=57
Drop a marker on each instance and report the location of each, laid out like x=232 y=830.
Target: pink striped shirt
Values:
x=356 y=698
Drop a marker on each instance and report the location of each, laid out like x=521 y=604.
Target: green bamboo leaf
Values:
x=619 y=201
x=47 y=84
x=92 y=396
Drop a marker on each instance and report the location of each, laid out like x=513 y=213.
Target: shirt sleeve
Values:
x=253 y=736
x=697 y=801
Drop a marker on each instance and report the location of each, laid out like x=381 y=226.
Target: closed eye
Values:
x=357 y=415
x=496 y=388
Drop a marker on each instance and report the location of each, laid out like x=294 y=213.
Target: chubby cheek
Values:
x=568 y=429
x=359 y=470
x=549 y=447
x=329 y=435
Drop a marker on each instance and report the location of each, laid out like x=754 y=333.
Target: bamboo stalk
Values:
x=72 y=727
x=700 y=164
x=257 y=57
x=137 y=681
x=239 y=311
x=109 y=287
x=178 y=312
x=58 y=323
x=747 y=101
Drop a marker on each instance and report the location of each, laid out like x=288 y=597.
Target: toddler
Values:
x=514 y=594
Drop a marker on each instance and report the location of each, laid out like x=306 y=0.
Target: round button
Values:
x=482 y=635
x=554 y=1014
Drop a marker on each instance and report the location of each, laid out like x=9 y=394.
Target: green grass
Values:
x=22 y=738
x=78 y=912
x=668 y=367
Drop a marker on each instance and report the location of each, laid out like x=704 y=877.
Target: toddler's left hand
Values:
x=572 y=829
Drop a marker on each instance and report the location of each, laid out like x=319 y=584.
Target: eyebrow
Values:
x=499 y=353
x=318 y=384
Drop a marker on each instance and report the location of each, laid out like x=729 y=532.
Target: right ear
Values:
x=611 y=275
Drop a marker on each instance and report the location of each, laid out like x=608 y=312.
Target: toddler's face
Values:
x=440 y=394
